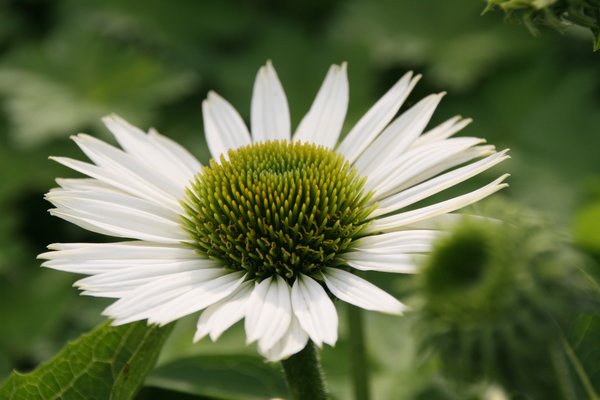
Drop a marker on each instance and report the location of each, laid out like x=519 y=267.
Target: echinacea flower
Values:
x=273 y=229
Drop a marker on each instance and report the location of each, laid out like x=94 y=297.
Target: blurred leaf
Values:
x=236 y=377
x=74 y=78
x=109 y=362
x=584 y=351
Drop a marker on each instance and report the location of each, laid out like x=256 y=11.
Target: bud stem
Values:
x=358 y=356
x=304 y=374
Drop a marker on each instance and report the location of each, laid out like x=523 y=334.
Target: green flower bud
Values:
x=495 y=295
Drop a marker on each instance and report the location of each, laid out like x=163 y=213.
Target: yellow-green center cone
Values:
x=277 y=208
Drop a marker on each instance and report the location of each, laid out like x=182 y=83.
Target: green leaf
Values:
x=222 y=377
x=106 y=363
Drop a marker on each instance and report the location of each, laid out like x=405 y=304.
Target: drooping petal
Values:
x=373 y=122
x=145 y=300
x=200 y=297
x=323 y=122
x=220 y=316
x=269 y=312
x=224 y=128
x=270 y=115
x=442 y=131
x=294 y=340
x=396 y=221
x=314 y=310
x=357 y=291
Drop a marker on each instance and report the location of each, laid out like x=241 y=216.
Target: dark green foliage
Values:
x=107 y=363
x=277 y=208
x=557 y=14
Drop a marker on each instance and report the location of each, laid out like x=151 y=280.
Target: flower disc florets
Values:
x=276 y=208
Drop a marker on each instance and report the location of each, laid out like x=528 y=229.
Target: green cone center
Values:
x=276 y=208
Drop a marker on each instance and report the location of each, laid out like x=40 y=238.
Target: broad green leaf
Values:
x=238 y=377
x=106 y=363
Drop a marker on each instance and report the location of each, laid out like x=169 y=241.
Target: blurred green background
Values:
x=66 y=63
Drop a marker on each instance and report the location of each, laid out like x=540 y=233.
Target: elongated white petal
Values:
x=117 y=282
x=144 y=301
x=85 y=184
x=200 y=297
x=442 y=131
x=121 y=221
x=373 y=122
x=436 y=185
x=381 y=261
x=124 y=182
x=224 y=128
x=220 y=316
x=270 y=116
x=123 y=251
x=269 y=312
x=323 y=122
x=392 y=177
x=403 y=239
x=150 y=152
x=460 y=158
x=392 y=223
x=293 y=341
x=116 y=160
x=398 y=136
x=176 y=151
x=357 y=291
x=314 y=310
x=100 y=200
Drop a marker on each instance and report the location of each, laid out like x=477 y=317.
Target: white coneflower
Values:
x=273 y=228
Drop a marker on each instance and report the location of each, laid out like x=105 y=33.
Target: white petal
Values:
x=116 y=160
x=293 y=341
x=460 y=158
x=398 y=136
x=123 y=182
x=120 y=221
x=220 y=316
x=354 y=290
x=314 y=310
x=396 y=221
x=224 y=128
x=436 y=185
x=200 y=297
x=102 y=199
x=391 y=177
x=153 y=154
x=269 y=312
x=373 y=122
x=121 y=280
x=442 y=131
x=144 y=301
x=85 y=184
x=382 y=262
x=323 y=122
x=176 y=151
x=270 y=116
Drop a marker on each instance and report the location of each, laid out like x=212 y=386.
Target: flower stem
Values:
x=358 y=355
x=304 y=374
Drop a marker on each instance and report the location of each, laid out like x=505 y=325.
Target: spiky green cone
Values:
x=496 y=297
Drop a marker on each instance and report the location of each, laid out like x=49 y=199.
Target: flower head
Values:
x=273 y=228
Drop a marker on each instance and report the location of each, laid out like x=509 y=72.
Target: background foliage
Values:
x=66 y=63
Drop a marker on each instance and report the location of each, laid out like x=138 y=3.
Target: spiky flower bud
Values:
x=495 y=297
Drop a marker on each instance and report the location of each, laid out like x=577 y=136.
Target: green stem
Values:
x=358 y=354
x=304 y=374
